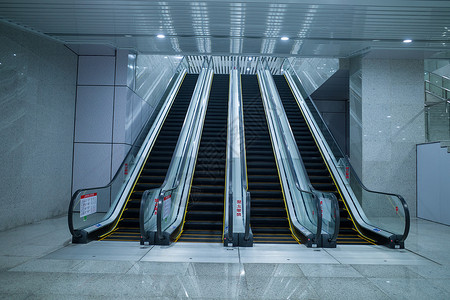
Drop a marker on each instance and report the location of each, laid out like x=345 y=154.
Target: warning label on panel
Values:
x=167 y=206
x=88 y=204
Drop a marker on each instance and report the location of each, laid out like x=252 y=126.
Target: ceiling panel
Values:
x=322 y=28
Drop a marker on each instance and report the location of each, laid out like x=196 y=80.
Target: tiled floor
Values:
x=38 y=262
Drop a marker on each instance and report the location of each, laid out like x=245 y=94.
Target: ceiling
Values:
x=325 y=28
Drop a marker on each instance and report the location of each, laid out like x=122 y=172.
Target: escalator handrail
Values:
x=347 y=161
x=293 y=173
x=247 y=216
x=142 y=133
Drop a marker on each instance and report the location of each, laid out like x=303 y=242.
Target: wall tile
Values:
x=119 y=153
x=122 y=109
x=92 y=165
x=121 y=67
x=94 y=114
x=136 y=124
x=96 y=70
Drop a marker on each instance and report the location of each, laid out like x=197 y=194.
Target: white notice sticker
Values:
x=167 y=206
x=88 y=204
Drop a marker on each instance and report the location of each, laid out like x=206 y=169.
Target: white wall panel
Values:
x=96 y=70
x=94 y=114
x=136 y=124
x=121 y=67
x=92 y=165
x=433 y=190
x=119 y=153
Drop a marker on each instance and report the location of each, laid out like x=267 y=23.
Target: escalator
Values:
x=316 y=168
x=268 y=220
x=204 y=217
x=155 y=168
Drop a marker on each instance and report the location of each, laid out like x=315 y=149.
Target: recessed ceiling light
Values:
x=284 y=38
x=160 y=36
x=128 y=35
x=178 y=57
x=249 y=58
x=407 y=41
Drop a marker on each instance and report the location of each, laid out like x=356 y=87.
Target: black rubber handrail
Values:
x=247 y=217
x=347 y=161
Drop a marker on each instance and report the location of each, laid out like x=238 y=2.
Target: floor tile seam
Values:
x=146 y=253
x=430 y=283
x=79 y=262
x=312 y=287
x=332 y=256
x=56 y=248
x=423 y=256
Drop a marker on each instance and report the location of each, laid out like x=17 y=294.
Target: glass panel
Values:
x=104 y=200
x=438 y=122
x=305 y=200
x=378 y=210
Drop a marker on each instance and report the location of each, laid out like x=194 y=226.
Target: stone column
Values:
x=386 y=123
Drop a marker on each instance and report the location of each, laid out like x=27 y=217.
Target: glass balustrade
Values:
x=375 y=212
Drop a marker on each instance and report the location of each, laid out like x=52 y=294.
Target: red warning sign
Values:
x=239 y=208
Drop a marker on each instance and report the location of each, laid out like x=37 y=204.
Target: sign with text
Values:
x=167 y=206
x=88 y=204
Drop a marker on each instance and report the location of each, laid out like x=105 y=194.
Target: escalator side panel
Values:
x=155 y=168
x=269 y=221
x=204 y=217
x=315 y=165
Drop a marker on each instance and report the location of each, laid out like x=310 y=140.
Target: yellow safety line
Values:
x=278 y=170
x=195 y=165
x=326 y=163
x=142 y=167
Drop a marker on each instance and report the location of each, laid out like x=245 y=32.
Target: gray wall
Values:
x=116 y=94
x=37 y=103
x=386 y=123
x=433 y=190
x=331 y=98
